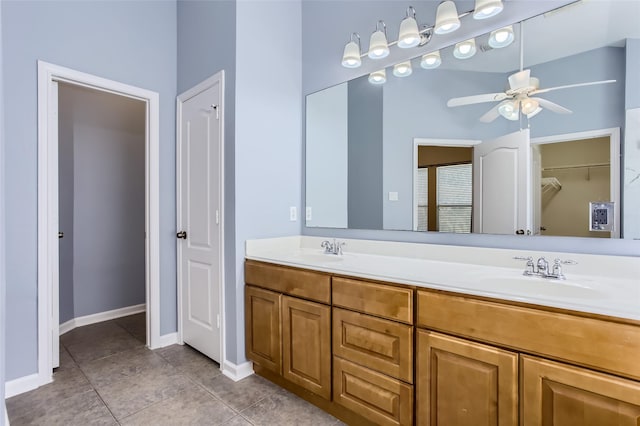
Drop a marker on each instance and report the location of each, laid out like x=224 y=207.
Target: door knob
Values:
x=520 y=232
x=182 y=234
x=60 y=234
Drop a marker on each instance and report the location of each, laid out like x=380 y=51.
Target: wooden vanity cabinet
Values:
x=289 y=336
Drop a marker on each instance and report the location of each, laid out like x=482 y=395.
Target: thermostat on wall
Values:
x=601 y=216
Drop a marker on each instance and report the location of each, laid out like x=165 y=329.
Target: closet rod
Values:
x=577 y=166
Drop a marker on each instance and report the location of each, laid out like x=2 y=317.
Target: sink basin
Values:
x=318 y=257
x=534 y=286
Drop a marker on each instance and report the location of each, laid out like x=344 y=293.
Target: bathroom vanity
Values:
x=401 y=334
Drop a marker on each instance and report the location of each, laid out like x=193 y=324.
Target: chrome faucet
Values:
x=541 y=267
x=334 y=247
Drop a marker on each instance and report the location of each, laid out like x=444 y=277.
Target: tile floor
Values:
x=108 y=377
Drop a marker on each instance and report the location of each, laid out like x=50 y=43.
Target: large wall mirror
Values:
x=395 y=156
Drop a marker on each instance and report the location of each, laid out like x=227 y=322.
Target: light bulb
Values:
x=402 y=69
x=465 y=49
x=509 y=110
x=431 y=60
x=502 y=37
x=528 y=106
x=378 y=77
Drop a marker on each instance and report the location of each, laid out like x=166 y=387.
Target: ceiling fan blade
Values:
x=591 y=83
x=476 y=99
x=552 y=106
x=519 y=79
x=491 y=115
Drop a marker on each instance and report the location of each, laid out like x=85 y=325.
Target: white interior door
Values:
x=502 y=185
x=199 y=206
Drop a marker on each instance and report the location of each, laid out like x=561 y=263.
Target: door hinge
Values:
x=218 y=320
x=217 y=217
x=215 y=108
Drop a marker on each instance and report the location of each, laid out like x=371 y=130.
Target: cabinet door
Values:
x=459 y=382
x=306 y=345
x=263 y=341
x=562 y=395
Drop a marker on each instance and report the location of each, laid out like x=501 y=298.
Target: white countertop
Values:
x=607 y=285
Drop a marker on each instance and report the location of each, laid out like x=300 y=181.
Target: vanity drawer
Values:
x=592 y=342
x=383 y=300
x=382 y=345
x=375 y=396
x=296 y=282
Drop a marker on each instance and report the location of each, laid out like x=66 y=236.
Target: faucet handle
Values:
x=530 y=267
x=327 y=246
x=338 y=247
x=528 y=258
x=565 y=262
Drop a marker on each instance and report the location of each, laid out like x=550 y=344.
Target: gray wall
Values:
x=132 y=42
x=268 y=135
x=65 y=203
x=103 y=193
x=364 y=191
x=321 y=69
x=632 y=96
x=2 y=239
x=262 y=128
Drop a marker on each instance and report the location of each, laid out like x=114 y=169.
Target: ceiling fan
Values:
x=520 y=97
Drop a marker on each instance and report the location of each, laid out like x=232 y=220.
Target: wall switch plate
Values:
x=293 y=213
x=308 y=213
x=393 y=196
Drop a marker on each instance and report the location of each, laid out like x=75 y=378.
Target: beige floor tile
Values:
x=284 y=408
x=242 y=394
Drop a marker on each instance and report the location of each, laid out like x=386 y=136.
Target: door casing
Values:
x=48 y=251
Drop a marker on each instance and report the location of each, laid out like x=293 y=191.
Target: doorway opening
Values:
x=51 y=80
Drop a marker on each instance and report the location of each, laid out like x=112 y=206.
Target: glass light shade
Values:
x=487 y=8
x=465 y=49
x=509 y=110
x=528 y=106
x=403 y=69
x=431 y=60
x=534 y=113
x=351 y=56
x=378 y=46
x=378 y=77
x=501 y=37
x=447 y=19
x=409 y=36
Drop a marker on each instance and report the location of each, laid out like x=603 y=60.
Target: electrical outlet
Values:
x=393 y=196
x=293 y=213
x=308 y=213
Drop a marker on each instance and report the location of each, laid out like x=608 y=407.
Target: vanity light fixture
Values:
x=487 y=8
x=378 y=46
x=403 y=69
x=447 y=20
x=378 y=77
x=409 y=36
x=352 y=52
x=465 y=49
x=502 y=37
x=431 y=60
x=412 y=34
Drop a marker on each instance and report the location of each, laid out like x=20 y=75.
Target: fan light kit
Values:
x=518 y=99
x=411 y=35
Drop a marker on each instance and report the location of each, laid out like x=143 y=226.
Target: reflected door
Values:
x=502 y=185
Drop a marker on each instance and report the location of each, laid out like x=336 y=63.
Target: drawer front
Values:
x=594 y=343
x=379 y=398
x=387 y=301
x=382 y=345
x=296 y=282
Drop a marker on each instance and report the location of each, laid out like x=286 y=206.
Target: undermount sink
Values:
x=535 y=286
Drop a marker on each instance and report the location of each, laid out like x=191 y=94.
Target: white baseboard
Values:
x=168 y=340
x=22 y=384
x=237 y=372
x=100 y=317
